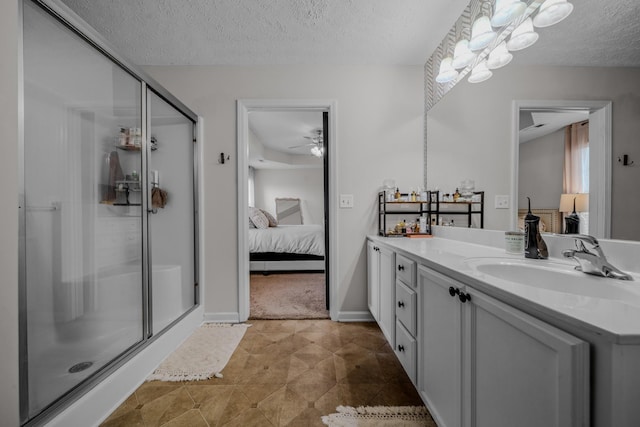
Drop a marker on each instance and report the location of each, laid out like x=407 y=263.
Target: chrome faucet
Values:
x=592 y=262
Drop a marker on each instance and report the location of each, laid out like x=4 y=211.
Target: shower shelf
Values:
x=154 y=147
x=128 y=147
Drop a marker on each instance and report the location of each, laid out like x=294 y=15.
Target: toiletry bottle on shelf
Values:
x=534 y=246
x=456 y=195
x=397 y=195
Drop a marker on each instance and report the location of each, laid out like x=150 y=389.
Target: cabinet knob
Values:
x=400 y=347
x=400 y=267
x=400 y=304
x=453 y=291
x=464 y=297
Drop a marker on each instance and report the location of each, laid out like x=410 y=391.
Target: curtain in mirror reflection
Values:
x=576 y=166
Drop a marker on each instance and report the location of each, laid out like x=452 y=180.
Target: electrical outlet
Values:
x=346 y=201
x=502 y=202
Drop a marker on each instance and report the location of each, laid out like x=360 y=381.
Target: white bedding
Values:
x=298 y=239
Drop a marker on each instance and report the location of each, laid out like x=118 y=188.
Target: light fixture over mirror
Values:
x=482 y=33
x=551 y=12
x=523 y=36
x=480 y=72
x=507 y=11
x=499 y=57
x=447 y=72
x=511 y=23
x=462 y=55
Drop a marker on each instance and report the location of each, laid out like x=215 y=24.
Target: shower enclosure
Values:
x=108 y=249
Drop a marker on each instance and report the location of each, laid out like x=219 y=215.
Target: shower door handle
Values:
x=153 y=211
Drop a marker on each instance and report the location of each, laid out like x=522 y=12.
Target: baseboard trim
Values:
x=355 y=316
x=230 y=317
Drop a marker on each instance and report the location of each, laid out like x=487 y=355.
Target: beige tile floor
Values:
x=283 y=373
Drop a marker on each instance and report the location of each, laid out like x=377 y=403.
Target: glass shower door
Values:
x=170 y=165
x=82 y=283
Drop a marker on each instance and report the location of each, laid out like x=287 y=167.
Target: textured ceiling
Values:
x=391 y=32
x=597 y=33
x=243 y=32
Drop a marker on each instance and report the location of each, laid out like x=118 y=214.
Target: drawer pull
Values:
x=453 y=291
x=400 y=304
x=464 y=297
x=400 y=267
x=400 y=348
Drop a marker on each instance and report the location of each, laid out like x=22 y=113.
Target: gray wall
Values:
x=304 y=184
x=540 y=171
x=469 y=132
x=380 y=118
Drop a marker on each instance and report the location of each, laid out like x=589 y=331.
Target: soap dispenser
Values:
x=534 y=246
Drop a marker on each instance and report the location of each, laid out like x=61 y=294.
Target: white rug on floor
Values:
x=379 y=416
x=203 y=355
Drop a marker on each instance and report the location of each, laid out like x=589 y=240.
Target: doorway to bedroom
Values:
x=287 y=204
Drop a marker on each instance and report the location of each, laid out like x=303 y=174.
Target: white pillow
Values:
x=272 y=221
x=258 y=218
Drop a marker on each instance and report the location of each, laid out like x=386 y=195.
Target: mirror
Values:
x=590 y=58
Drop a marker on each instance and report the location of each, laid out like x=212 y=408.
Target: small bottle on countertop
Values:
x=422 y=221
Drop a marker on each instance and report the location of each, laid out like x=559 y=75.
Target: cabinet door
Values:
x=373 y=280
x=439 y=348
x=522 y=371
x=387 y=293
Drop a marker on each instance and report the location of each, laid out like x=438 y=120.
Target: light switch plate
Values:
x=346 y=201
x=502 y=202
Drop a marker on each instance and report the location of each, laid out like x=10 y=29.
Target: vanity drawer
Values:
x=406 y=270
x=405 y=350
x=406 y=306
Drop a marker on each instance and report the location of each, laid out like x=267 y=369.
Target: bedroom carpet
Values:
x=288 y=296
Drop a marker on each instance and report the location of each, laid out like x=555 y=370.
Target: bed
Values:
x=287 y=248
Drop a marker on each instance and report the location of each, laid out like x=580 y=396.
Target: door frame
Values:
x=600 y=137
x=244 y=106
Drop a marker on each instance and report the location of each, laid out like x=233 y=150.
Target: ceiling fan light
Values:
x=523 y=36
x=551 y=12
x=462 y=55
x=506 y=11
x=480 y=73
x=499 y=57
x=447 y=72
x=482 y=33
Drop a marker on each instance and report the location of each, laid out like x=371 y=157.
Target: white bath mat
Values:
x=379 y=416
x=203 y=355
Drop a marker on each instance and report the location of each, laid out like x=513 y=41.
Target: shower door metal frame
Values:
x=63 y=14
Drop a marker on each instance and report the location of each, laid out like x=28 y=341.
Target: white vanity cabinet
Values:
x=380 y=287
x=405 y=311
x=483 y=363
x=373 y=279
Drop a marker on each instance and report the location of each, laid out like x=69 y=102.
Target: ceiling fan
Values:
x=316 y=143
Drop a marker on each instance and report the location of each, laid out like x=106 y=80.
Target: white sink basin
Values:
x=553 y=276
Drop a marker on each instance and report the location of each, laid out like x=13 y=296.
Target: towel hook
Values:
x=625 y=160
x=223 y=157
